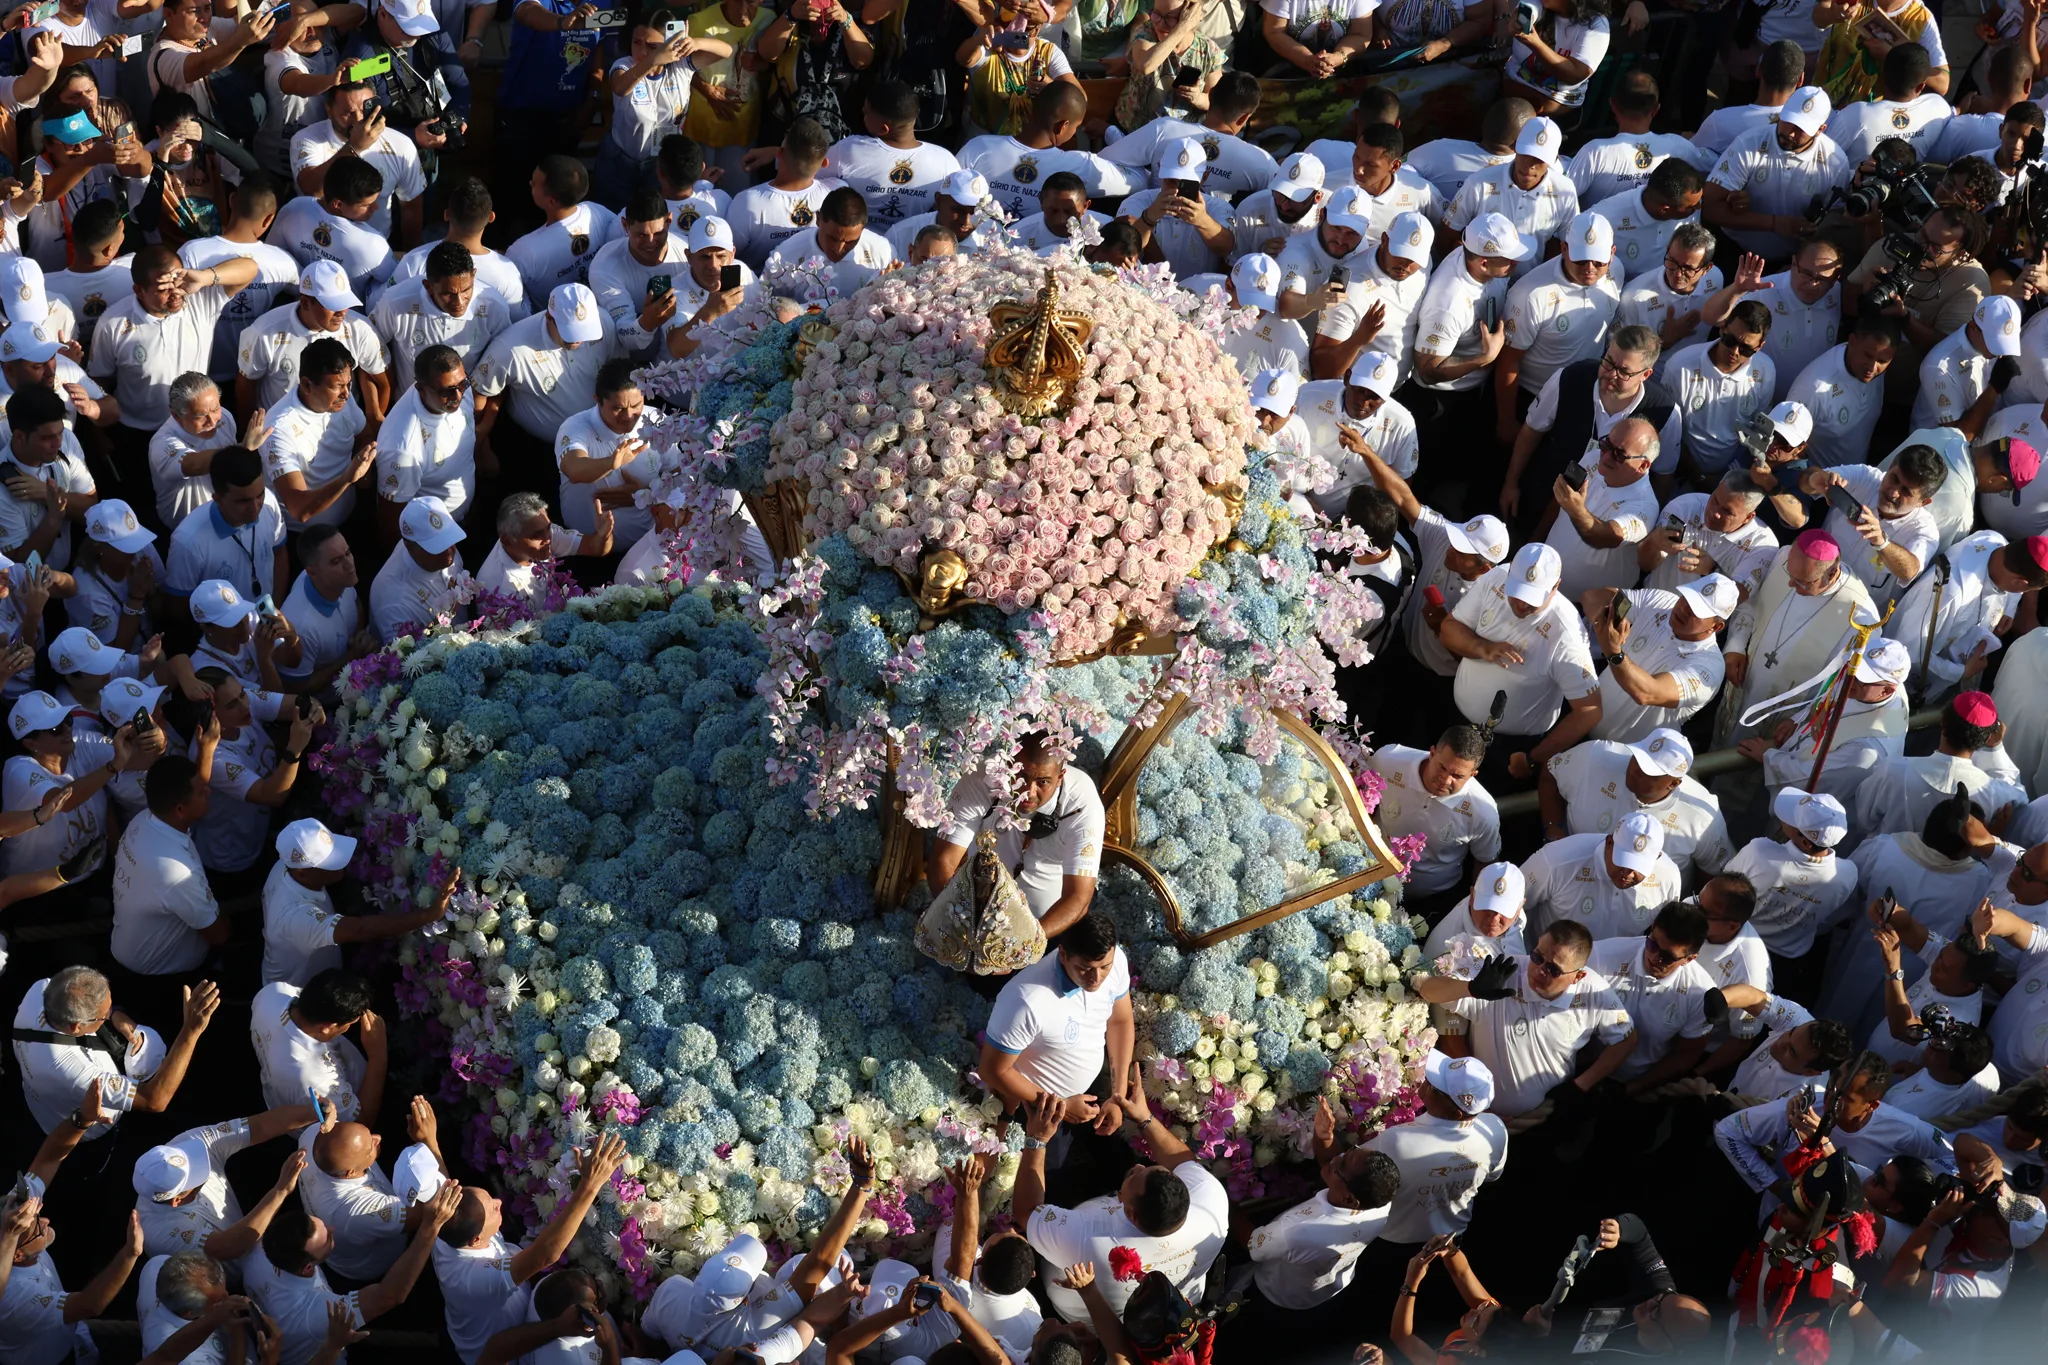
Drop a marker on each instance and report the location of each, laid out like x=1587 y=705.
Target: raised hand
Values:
x=200 y=1003
x=1490 y=981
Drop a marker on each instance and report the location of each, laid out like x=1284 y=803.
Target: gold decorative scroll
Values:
x=778 y=510
x=1034 y=353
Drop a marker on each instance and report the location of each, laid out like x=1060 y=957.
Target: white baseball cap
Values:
x=730 y=1274
x=1638 y=840
x=1257 y=279
x=1350 y=207
x=1807 y=109
x=427 y=522
x=327 y=284
x=1793 y=422
x=2026 y=1218
x=1589 y=238
x=1714 y=596
x=1499 y=889
x=1541 y=138
x=1491 y=234
x=1485 y=536
x=415 y=18
x=1376 y=372
x=1410 y=237
x=1884 y=661
x=1467 y=1080
x=1663 y=753
x=1275 y=391
x=121 y=698
x=965 y=188
x=216 y=603
x=163 y=1173
x=710 y=231
x=113 y=523
x=888 y=1282
x=667 y=1317
x=78 y=650
x=1998 y=318
x=1815 y=814
x=34 y=341
x=576 y=314
x=22 y=292
x=1299 y=176
x=1534 y=573
x=1182 y=158
x=308 y=843
x=35 y=712
x=417 y=1175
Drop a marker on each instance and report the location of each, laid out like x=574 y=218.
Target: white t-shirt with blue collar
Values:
x=1058 y=1032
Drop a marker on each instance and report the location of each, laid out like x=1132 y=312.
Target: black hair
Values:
x=1007 y=1265
x=467 y=1222
x=1372 y=511
x=1376 y=1183
x=430 y=363
x=168 y=783
x=1465 y=741
x=171 y=108
x=1831 y=1043
x=1968 y=1046
x=616 y=376
x=1923 y=467
x=1162 y=1205
x=1121 y=237
x=1974 y=181
x=234 y=467
x=351 y=180
x=2026 y=113
x=955 y=1352
x=99 y=221
x=1905 y=69
x=28 y=409
x=1880 y=325
x=1673 y=179
x=1683 y=923
x=284 y=1241
x=1057 y=1350
x=1090 y=938
x=1063 y=182
x=1751 y=316
x=1918 y=1188
x=680 y=160
x=335 y=996
x=645 y=205
x=844 y=208
x=1960 y=734
x=564 y=178
x=320 y=532
x=1782 y=64
x=469 y=204
x=259 y=194
x=558 y=1292
x=324 y=358
x=2030 y=1113
x=1944 y=829
x=806 y=140
x=1376 y=104
x=1738 y=891
x=1635 y=93
x=893 y=101
x=1235 y=94
x=449 y=259
x=1570 y=935
x=1384 y=136
x=335 y=92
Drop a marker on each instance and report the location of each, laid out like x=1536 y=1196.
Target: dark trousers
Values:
x=131 y=481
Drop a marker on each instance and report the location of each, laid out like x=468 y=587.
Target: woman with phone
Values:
x=817 y=51
x=1172 y=63
x=1008 y=63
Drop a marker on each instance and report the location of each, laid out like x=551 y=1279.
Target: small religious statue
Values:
x=1035 y=351
x=1232 y=497
x=941 y=574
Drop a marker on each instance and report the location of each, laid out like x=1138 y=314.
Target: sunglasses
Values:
x=2027 y=874
x=455 y=390
x=1538 y=962
x=1657 y=952
x=1608 y=447
x=1741 y=348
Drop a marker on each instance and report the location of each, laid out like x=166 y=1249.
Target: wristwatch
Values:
x=1032 y=1144
x=1613 y=659
x=78 y=1120
x=1896 y=974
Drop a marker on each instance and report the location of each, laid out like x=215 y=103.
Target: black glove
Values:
x=1490 y=981
x=1716 y=1006
x=2004 y=370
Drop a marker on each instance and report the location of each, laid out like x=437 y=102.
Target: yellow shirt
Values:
x=701 y=120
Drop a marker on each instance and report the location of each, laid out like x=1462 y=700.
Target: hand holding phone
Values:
x=1575 y=476
x=1845 y=502
x=379 y=65
x=728 y=278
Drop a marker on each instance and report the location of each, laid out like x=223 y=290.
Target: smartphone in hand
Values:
x=1843 y=501
x=1575 y=476
x=729 y=277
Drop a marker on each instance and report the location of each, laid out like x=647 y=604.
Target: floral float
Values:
x=665 y=798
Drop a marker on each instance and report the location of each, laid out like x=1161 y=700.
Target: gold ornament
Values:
x=941 y=574
x=1035 y=351
x=810 y=337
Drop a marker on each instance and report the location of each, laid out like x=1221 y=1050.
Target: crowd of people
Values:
x=1654 y=439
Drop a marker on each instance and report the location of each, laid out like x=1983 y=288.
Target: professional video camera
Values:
x=1903 y=190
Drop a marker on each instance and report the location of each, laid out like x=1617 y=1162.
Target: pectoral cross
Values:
x=1770 y=658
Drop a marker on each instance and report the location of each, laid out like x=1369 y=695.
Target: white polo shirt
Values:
x=1731 y=121
x=404 y=597
x=895 y=182
x=1640 y=241
x=234 y=833
x=1058 y=1032
x=179 y=494
x=1743 y=554
x=32 y=1318
x=55 y=1076
x=561 y=252
x=1090 y=1231
x=324 y=628
x=1663 y=1011
x=1443 y=1162
x=1648 y=300
x=491 y=269
x=1844 y=408
x=90 y=293
x=1609 y=167
x=411 y=321
x=394 y=156
x=1271 y=343
x=1012 y=1319
x=1717 y=405
x=318 y=446
x=1554 y=322
x=1760 y=1076
x=1448 y=320
x=1465 y=823
x=502 y=574
x=1567 y=879
x=1530 y=1044
x=1800 y=332
x=1556 y=663
x=1916 y=533
x=1432 y=570
x=161 y=900
x=1257 y=223
x=474 y=1283
x=1741 y=961
x=205 y=546
x=1630 y=508
x=1857 y=128
x=1402 y=300
x=1953 y=376
x=169 y=1228
x=137 y=354
x=1016 y=172
x=1390 y=432
x=363 y=1213
x=2028 y=516
x=547 y=384
x=1592 y=778
x=310 y=233
x=1695 y=665
x=298 y=929
x=1309 y=1254
x=1538 y=214
x=587 y=434
x=621 y=283
x=19 y=520
x=421 y=452
x=1236 y=167
x=1778 y=182
x=1041 y=865
x=276 y=271
x=26 y=783
x=298 y=1304
x=292 y=1062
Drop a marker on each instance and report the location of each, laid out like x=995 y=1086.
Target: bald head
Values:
x=1059 y=104
x=347 y=1151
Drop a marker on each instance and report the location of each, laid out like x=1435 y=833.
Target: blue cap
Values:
x=73 y=128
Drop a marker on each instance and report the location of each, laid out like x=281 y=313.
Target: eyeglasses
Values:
x=1608 y=364
x=1741 y=348
x=1550 y=969
x=1681 y=268
x=2027 y=874
x=1823 y=276
x=1608 y=447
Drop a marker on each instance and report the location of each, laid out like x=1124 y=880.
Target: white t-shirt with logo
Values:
x=1592 y=778
x=1581 y=42
x=310 y=233
x=292 y=1062
x=141 y=353
x=1447 y=324
x=1309 y=1254
x=560 y=252
x=895 y=182
x=1639 y=244
x=1461 y=825
x=1629 y=509
x=1530 y=1043
x=411 y=322
x=1744 y=554
x=1858 y=128
x=1538 y=214
x=298 y=928
x=317 y=446
x=1694 y=665
x=548 y=383
x=1567 y=879
x=1778 y=182
x=1040 y=865
x=1095 y=1228
x=1611 y=166
x=1663 y=1011
x=270 y=349
x=1443 y=1162
x=1016 y=172
x=1057 y=1031
x=1717 y=405
x=1318 y=24
x=1554 y=321
x=421 y=452
x=1915 y=533
x=761 y=216
x=652 y=109
x=1556 y=666
x=394 y=156
x=161 y=900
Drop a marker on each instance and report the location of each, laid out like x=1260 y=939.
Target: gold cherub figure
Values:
x=941 y=574
x=1034 y=353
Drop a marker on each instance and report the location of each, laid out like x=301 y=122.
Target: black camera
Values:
x=1908 y=253
x=451 y=129
x=1897 y=185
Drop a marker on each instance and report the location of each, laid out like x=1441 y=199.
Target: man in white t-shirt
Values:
x=1173 y=1213
x=184 y=1199
x=1527 y=1018
x=1843 y=388
x=1532 y=191
x=1895 y=536
x=1514 y=632
x=1805 y=302
x=1345 y=419
x=1460 y=326
x=546 y=364
x=1609 y=166
x=449 y=305
x=320 y=443
x=421 y=580
x=1904 y=108
x=852 y=255
x=302 y=931
x=1663 y=663
x=1963 y=377
x=1309 y=1255
x=1061 y=1025
x=1671 y=275
x=166 y=920
x=1721 y=386
x=1055 y=856
x=333 y=226
x=1719 y=532
x=300 y=1044
x=559 y=252
x=1593 y=787
x=1800 y=882
x=895 y=173
x=1613 y=884
x=1660 y=982
x=268 y=354
x=1558 y=313
x=1605 y=515
x=1760 y=189
x=1446 y=1152
x=528 y=540
x=1436 y=792
x=429 y=440
x=784 y=205
x=1377 y=308
x=126 y=1060
x=355 y=127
